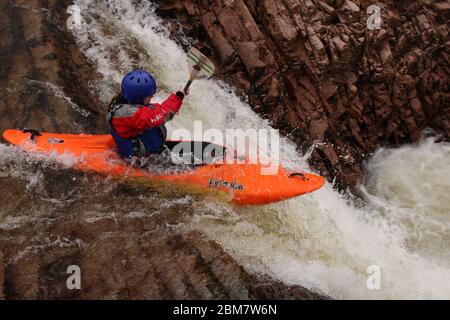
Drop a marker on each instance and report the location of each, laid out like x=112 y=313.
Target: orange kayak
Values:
x=240 y=183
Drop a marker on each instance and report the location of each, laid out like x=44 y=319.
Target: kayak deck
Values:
x=241 y=183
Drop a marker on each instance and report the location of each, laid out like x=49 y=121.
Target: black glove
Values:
x=180 y=95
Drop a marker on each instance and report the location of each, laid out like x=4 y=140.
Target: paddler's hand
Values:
x=180 y=95
x=182 y=91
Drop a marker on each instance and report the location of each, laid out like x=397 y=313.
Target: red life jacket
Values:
x=131 y=120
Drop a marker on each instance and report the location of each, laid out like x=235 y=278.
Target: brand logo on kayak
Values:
x=216 y=183
x=55 y=141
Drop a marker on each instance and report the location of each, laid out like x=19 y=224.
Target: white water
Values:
x=321 y=241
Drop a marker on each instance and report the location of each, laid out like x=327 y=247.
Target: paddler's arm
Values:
x=174 y=102
x=158 y=114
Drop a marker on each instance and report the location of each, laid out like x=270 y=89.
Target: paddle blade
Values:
x=199 y=65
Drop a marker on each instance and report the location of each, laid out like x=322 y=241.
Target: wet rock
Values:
x=316 y=60
x=42 y=74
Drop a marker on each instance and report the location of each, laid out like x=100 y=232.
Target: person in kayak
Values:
x=136 y=124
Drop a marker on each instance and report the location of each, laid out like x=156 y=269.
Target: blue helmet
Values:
x=137 y=85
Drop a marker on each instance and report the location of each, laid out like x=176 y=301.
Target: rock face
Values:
x=43 y=77
x=317 y=71
x=70 y=219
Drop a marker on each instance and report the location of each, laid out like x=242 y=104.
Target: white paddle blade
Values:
x=199 y=65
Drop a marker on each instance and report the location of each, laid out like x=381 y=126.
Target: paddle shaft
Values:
x=188 y=85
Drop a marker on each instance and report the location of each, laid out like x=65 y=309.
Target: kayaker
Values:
x=136 y=124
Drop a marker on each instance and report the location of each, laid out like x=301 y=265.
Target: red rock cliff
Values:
x=320 y=74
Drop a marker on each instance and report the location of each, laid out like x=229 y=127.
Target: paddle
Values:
x=199 y=67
